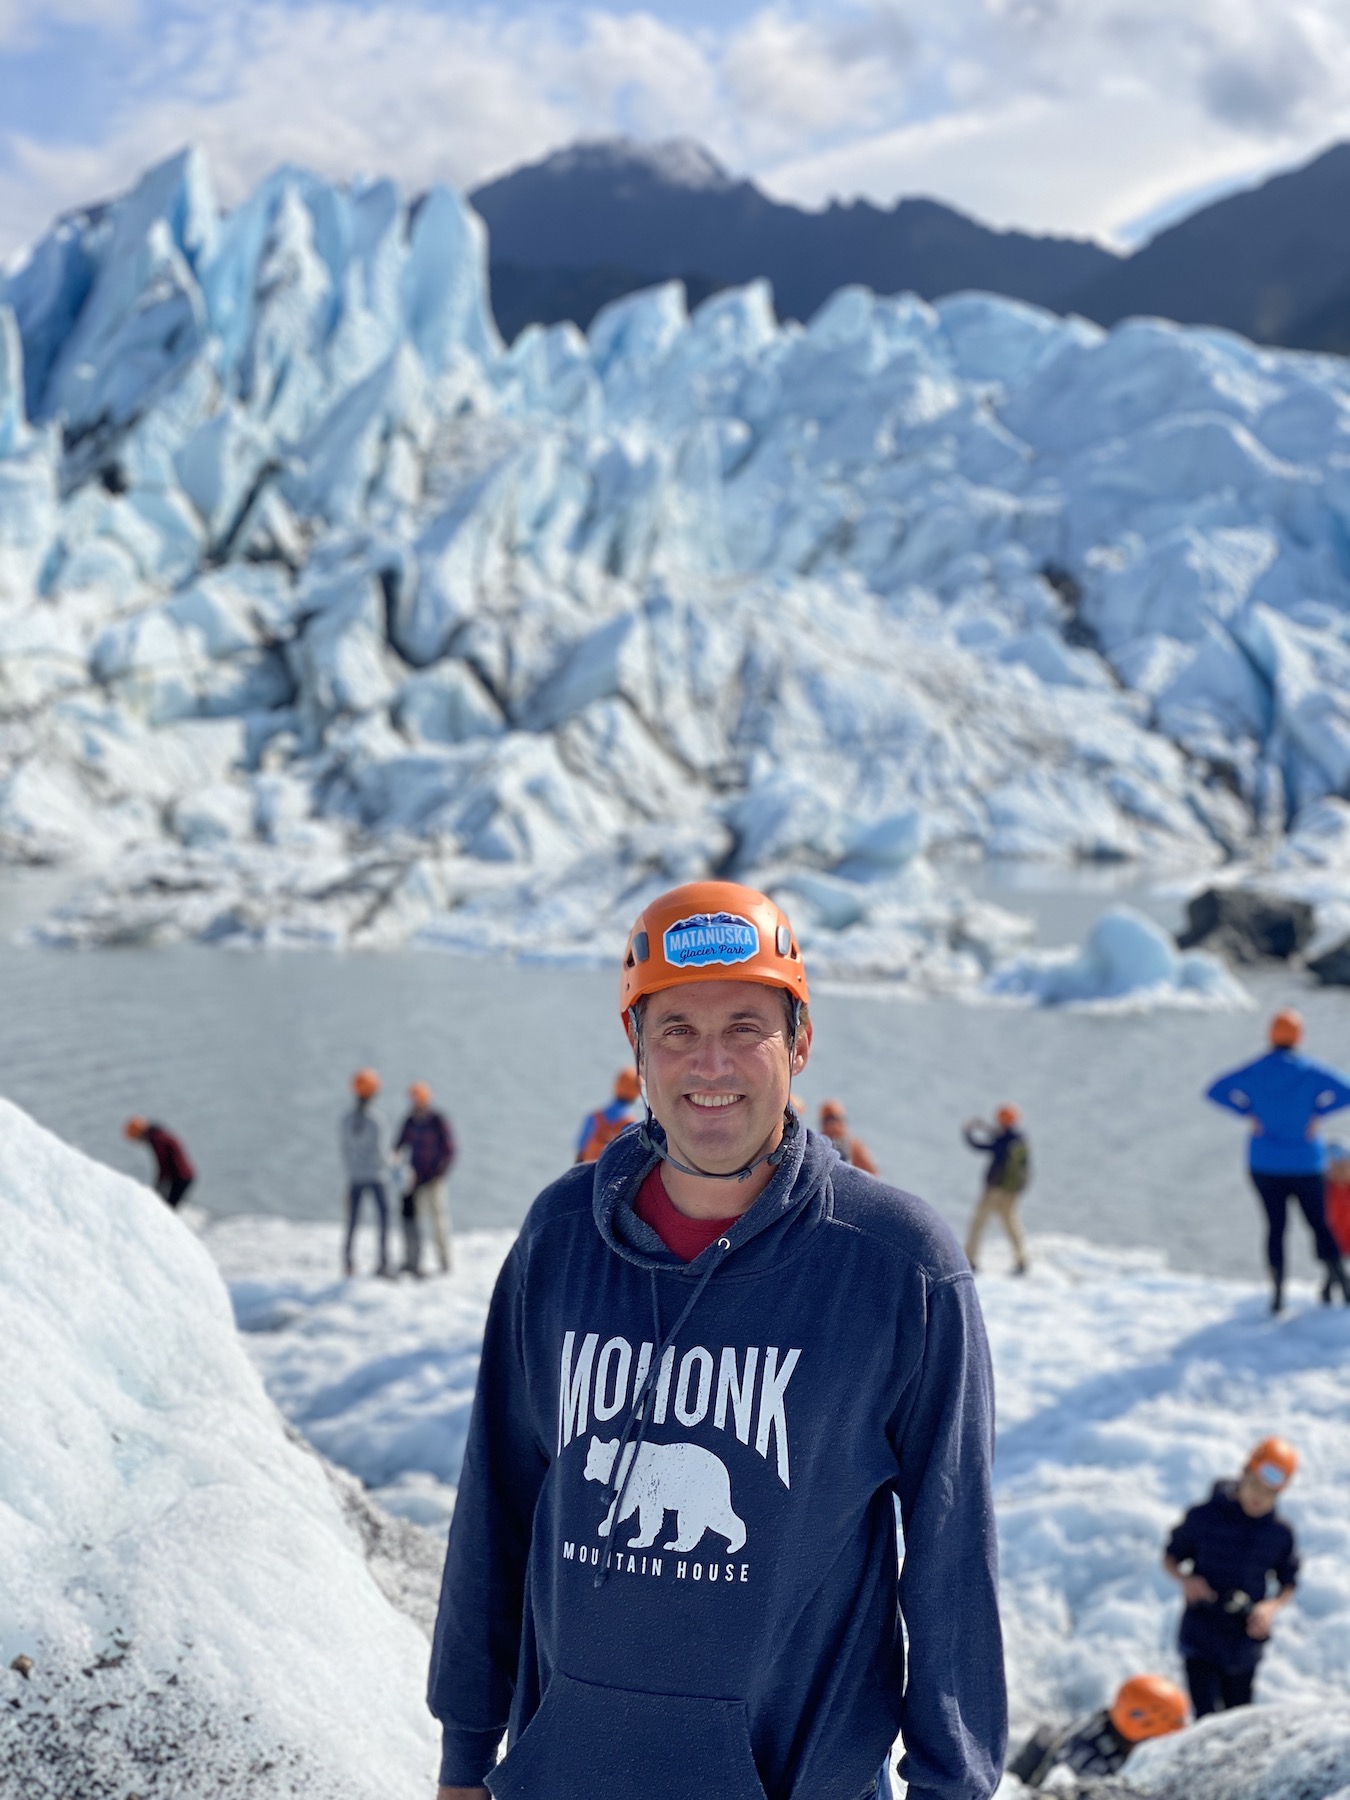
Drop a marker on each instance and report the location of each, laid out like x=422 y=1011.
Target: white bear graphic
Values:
x=684 y=1479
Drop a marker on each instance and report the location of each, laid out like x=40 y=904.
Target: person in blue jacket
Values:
x=1284 y=1095
x=715 y=1362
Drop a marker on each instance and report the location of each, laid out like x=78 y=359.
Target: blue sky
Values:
x=1096 y=117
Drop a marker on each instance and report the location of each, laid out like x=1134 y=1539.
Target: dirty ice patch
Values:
x=1127 y=963
x=198 y=1616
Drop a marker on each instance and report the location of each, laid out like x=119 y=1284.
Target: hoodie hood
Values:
x=784 y=1215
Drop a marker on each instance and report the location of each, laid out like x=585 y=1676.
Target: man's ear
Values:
x=801 y=1052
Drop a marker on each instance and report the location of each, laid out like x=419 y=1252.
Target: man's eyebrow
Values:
x=675 y=1017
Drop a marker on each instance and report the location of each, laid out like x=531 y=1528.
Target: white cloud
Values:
x=1068 y=115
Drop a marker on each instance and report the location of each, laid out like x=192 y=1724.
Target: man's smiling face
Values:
x=718 y=1064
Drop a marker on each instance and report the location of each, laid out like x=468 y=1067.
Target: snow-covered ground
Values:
x=325 y=618
x=1125 y=1390
x=196 y=1615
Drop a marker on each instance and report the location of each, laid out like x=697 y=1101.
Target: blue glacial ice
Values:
x=327 y=617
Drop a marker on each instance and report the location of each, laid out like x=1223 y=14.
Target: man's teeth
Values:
x=714 y=1099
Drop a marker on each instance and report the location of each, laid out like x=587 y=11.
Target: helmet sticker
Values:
x=705 y=938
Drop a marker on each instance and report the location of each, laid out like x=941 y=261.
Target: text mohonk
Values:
x=743 y=1390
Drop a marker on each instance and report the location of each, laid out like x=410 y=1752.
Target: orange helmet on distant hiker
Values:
x=420 y=1094
x=1148 y=1706
x=136 y=1127
x=627 y=1087
x=365 y=1084
x=710 y=931
x=1286 y=1029
x=1008 y=1116
x=832 y=1109
x=1274 y=1462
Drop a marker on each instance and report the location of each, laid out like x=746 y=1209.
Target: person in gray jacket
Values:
x=365 y=1156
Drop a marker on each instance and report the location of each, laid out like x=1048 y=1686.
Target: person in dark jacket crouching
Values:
x=1227 y=1553
x=714 y=1361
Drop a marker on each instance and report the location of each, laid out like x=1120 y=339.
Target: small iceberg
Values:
x=1126 y=964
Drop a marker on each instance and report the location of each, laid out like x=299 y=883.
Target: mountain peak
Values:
x=678 y=162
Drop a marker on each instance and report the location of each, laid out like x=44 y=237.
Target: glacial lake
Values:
x=248 y=1056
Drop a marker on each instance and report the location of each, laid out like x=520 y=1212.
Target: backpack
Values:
x=603 y=1132
x=1016 y=1170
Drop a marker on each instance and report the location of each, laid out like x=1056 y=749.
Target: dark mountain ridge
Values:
x=598 y=220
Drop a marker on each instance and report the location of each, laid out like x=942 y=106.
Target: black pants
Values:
x=172 y=1188
x=1212 y=1690
x=1276 y=1191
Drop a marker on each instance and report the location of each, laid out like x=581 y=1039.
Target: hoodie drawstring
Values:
x=616 y=1488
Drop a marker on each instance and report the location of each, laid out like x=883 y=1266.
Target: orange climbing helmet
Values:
x=1008 y=1116
x=365 y=1084
x=1286 y=1029
x=832 y=1109
x=419 y=1093
x=1274 y=1463
x=136 y=1127
x=710 y=931
x=1148 y=1706
x=627 y=1087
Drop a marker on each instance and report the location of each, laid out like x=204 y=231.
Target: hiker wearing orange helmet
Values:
x=174 y=1173
x=603 y=1125
x=1283 y=1096
x=1237 y=1564
x=1005 y=1179
x=427 y=1142
x=364 y=1142
x=1145 y=1706
x=834 y=1126
x=715 y=1360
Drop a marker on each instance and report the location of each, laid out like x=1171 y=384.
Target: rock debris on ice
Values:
x=326 y=618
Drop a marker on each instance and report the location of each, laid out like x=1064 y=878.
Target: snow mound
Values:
x=197 y=1615
x=1126 y=964
x=304 y=573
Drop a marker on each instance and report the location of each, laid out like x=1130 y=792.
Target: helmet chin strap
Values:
x=772 y=1157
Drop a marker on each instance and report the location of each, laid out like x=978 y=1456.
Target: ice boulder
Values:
x=182 y=1609
x=1290 y=1752
x=1127 y=963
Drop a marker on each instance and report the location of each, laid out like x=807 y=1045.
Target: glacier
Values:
x=327 y=618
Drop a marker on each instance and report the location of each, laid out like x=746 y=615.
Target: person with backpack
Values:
x=428 y=1142
x=601 y=1127
x=174 y=1173
x=1284 y=1096
x=1145 y=1706
x=1226 y=1554
x=1005 y=1180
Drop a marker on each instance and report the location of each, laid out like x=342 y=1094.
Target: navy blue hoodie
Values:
x=738 y=1632
x=1238 y=1556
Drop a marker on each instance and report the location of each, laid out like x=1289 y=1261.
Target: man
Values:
x=1005 y=1181
x=1284 y=1095
x=1226 y=1553
x=1145 y=1706
x=601 y=1127
x=365 y=1157
x=834 y=1126
x=174 y=1173
x=713 y=1362
x=429 y=1144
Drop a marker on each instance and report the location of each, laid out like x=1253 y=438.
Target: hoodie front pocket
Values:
x=602 y=1743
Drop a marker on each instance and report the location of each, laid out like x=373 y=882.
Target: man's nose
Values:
x=712 y=1060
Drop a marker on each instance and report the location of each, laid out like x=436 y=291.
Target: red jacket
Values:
x=174 y=1162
